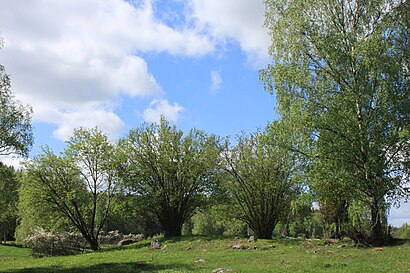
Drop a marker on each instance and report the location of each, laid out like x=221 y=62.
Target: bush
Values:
x=44 y=243
x=402 y=232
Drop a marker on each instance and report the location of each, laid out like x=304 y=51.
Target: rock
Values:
x=329 y=242
x=342 y=246
x=155 y=245
x=267 y=247
x=238 y=247
x=222 y=270
x=377 y=249
x=252 y=239
x=125 y=242
x=199 y=261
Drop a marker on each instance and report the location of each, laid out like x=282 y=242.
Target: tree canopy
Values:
x=8 y=201
x=174 y=171
x=16 y=134
x=79 y=184
x=262 y=178
x=341 y=74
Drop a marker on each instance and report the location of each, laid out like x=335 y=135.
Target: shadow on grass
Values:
x=130 y=267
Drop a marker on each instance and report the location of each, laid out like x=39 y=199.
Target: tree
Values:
x=79 y=183
x=8 y=201
x=261 y=183
x=35 y=211
x=341 y=74
x=172 y=170
x=16 y=134
x=333 y=195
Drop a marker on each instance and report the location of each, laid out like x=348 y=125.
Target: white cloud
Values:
x=399 y=216
x=12 y=160
x=105 y=120
x=162 y=107
x=66 y=55
x=240 y=20
x=216 y=81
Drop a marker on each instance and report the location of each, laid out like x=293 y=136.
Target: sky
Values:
x=116 y=64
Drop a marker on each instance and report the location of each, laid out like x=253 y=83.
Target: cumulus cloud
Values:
x=239 y=20
x=89 y=118
x=216 y=81
x=160 y=108
x=66 y=55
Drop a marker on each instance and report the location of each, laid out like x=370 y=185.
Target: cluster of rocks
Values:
x=252 y=239
x=243 y=247
x=115 y=237
x=222 y=270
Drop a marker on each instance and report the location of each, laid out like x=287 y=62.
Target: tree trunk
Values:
x=377 y=234
x=263 y=230
x=285 y=230
x=93 y=243
x=91 y=240
x=171 y=224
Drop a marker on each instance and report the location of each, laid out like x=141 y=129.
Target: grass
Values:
x=182 y=255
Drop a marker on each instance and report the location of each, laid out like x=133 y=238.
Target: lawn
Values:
x=200 y=254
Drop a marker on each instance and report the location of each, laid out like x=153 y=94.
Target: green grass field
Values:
x=183 y=255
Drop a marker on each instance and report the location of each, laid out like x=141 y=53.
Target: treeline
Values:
x=159 y=180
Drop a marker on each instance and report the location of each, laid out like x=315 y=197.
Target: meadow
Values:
x=203 y=254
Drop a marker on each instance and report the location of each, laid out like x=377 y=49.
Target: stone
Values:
x=238 y=247
x=222 y=270
x=252 y=239
x=125 y=242
x=267 y=247
x=329 y=242
x=155 y=244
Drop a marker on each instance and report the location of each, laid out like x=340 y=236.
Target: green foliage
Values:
x=262 y=179
x=8 y=202
x=78 y=184
x=130 y=215
x=172 y=170
x=341 y=78
x=16 y=134
x=34 y=211
x=205 y=224
x=402 y=232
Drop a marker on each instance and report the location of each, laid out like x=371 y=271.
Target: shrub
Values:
x=44 y=243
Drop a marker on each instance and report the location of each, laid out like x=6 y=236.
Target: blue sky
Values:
x=115 y=64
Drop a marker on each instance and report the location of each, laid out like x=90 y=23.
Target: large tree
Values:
x=341 y=74
x=16 y=136
x=8 y=201
x=79 y=184
x=172 y=170
x=262 y=178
